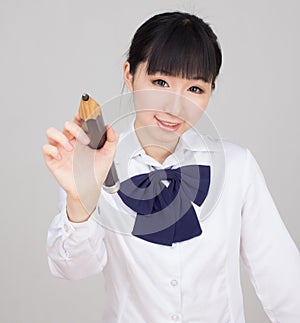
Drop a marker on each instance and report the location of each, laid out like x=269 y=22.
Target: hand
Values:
x=79 y=170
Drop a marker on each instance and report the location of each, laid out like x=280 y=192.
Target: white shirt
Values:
x=193 y=281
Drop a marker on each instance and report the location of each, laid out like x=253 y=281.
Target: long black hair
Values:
x=176 y=44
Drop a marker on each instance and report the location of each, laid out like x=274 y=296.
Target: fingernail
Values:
x=111 y=129
x=84 y=139
x=68 y=146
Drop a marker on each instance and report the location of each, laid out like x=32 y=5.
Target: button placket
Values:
x=174 y=283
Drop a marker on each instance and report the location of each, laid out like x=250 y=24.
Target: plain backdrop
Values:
x=52 y=51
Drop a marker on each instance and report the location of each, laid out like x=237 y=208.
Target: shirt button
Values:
x=174 y=282
x=66 y=227
x=174 y=245
x=175 y=317
x=68 y=255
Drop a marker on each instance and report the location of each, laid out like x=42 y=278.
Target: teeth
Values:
x=168 y=123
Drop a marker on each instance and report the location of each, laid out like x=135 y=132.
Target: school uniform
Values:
x=196 y=280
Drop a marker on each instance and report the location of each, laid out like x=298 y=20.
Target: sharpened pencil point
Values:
x=85 y=97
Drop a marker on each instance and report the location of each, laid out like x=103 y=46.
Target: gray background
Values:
x=52 y=51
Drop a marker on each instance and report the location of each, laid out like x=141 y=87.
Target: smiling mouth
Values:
x=167 y=125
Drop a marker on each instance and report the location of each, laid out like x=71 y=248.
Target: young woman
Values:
x=173 y=264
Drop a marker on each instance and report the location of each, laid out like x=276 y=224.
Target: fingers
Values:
x=112 y=136
x=55 y=137
x=111 y=139
x=73 y=130
x=77 y=119
x=51 y=152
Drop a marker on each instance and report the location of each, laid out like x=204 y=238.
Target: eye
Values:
x=160 y=82
x=196 y=89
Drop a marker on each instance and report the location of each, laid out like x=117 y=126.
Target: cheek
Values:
x=145 y=117
x=191 y=111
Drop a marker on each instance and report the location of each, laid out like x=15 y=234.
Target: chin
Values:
x=163 y=136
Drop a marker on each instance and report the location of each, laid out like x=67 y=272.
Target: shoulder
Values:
x=236 y=156
x=242 y=159
x=232 y=151
x=225 y=150
x=240 y=165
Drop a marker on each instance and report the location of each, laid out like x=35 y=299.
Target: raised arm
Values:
x=75 y=242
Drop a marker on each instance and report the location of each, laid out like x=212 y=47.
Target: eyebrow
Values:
x=199 y=79
x=195 y=78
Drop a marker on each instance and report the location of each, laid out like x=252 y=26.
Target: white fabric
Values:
x=193 y=281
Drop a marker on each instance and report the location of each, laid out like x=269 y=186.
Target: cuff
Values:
x=85 y=228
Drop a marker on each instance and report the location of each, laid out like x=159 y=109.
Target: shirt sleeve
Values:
x=75 y=250
x=268 y=252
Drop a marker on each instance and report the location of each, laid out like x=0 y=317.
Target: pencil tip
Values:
x=85 y=97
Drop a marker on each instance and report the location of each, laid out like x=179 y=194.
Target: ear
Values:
x=128 y=77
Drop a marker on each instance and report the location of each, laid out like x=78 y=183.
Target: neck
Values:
x=158 y=150
x=157 y=153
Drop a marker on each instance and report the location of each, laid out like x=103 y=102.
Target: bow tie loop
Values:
x=165 y=214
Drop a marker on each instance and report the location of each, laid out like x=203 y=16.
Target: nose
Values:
x=175 y=104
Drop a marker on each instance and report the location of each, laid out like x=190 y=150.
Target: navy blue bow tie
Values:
x=165 y=213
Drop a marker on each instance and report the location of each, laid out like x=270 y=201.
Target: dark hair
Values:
x=177 y=44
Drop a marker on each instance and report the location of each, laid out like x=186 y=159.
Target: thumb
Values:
x=111 y=139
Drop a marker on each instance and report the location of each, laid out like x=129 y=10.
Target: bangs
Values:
x=187 y=52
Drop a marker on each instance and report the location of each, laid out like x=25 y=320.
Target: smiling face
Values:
x=166 y=106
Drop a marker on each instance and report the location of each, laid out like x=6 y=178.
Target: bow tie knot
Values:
x=165 y=174
x=155 y=177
